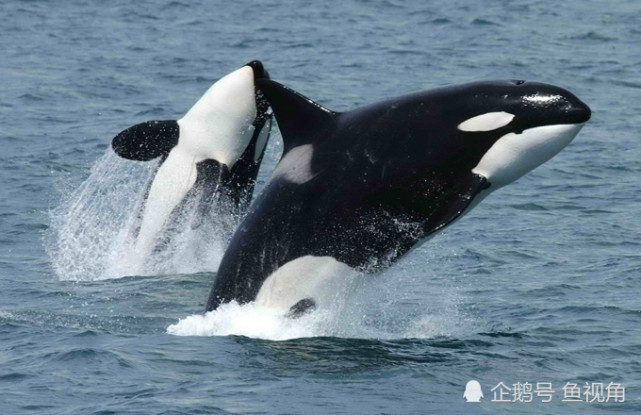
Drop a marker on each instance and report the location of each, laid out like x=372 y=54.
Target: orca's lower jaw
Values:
x=514 y=155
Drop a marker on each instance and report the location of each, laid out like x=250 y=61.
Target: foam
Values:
x=93 y=229
x=376 y=309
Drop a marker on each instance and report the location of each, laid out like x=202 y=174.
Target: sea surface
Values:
x=540 y=283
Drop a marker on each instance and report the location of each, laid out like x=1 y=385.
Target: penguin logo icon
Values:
x=473 y=391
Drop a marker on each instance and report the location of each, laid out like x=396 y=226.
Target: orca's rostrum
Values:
x=355 y=191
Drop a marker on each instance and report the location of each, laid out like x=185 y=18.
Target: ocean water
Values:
x=540 y=283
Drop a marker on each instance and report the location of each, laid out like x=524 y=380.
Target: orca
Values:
x=355 y=191
x=215 y=150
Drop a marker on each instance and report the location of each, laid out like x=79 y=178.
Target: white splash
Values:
x=249 y=320
x=93 y=229
x=374 y=307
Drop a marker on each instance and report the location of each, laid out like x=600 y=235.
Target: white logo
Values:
x=473 y=392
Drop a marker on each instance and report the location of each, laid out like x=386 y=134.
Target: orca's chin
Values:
x=515 y=155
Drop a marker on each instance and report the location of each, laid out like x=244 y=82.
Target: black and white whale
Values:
x=214 y=150
x=355 y=191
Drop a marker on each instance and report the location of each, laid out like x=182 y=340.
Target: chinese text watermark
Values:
x=524 y=392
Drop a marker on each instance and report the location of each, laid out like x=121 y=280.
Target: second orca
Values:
x=215 y=150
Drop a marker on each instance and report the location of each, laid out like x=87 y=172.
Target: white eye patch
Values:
x=486 y=122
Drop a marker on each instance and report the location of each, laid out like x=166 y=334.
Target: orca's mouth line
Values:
x=546 y=127
x=575 y=124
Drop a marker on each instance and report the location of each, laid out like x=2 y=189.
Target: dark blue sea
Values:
x=540 y=284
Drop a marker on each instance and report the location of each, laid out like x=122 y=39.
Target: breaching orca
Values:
x=355 y=191
x=215 y=149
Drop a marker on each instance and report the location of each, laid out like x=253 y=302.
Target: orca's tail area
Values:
x=304 y=306
x=147 y=140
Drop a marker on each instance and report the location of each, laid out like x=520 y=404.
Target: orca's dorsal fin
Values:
x=300 y=119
